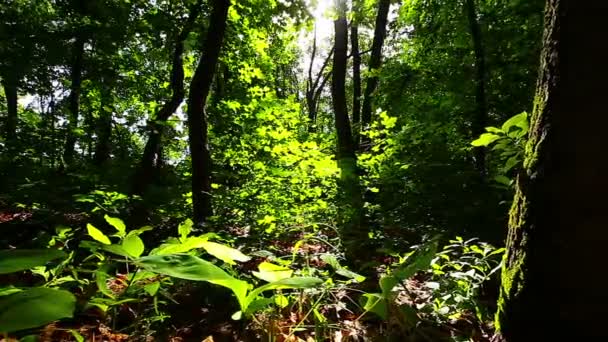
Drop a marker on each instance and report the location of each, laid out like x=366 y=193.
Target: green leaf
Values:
x=421 y=261
x=138 y=232
x=494 y=130
x=485 y=139
x=271 y=272
x=281 y=301
x=511 y=162
x=387 y=283
x=114 y=249
x=519 y=120
x=101 y=279
x=118 y=224
x=184 y=229
x=288 y=283
x=189 y=267
x=152 y=288
x=376 y=303
x=225 y=253
x=133 y=245
x=34 y=307
x=186 y=245
x=14 y=260
x=98 y=235
x=502 y=179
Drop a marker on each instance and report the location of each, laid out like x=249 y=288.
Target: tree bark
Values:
x=9 y=82
x=553 y=283
x=151 y=157
x=197 y=121
x=354 y=38
x=480 y=120
x=74 y=100
x=351 y=230
x=375 y=62
x=103 y=146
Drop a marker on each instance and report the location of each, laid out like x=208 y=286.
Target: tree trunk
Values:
x=150 y=160
x=10 y=91
x=197 y=121
x=553 y=282
x=480 y=120
x=104 y=131
x=351 y=230
x=354 y=38
x=375 y=62
x=74 y=100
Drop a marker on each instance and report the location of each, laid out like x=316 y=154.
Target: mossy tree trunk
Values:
x=553 y=280
x=352 y=230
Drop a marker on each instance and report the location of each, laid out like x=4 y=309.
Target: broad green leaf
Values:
x=333 y=262
x=502 y=179
x=98 y=235
x=494 y=130
x=421 y=261
x=225 y=253
x=189 y=267
x=485 y=139
x=184 y=229
x=139 y=231
x=288 y=283
x=152 y=288
x=34 y=307
x=186 y=245
x=114 y=249
x=14 y=260
x=133 y=245
x=271 y=272
x=281 y=301
x=118 y=224
x=387 y=283
x=376 y=303
x=519 y=120
x=101 y=279
x=5 y=291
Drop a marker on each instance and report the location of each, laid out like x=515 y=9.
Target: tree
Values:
x=74 y=102
x=375 y=61
x=315 y=85
x=354 y=39
x=152 y=151
x=558 y=218
x=352 y=229
x=197 y=121
x=480 y=120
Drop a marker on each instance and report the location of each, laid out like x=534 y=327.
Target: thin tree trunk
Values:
x=352 y=230
x=354 y=38
x=197 y=120
x=151 y=156
x=10 y=92
x=74 y=100
x=553 y=282
x=104 y=131
x=375 y=62
x=480 y=120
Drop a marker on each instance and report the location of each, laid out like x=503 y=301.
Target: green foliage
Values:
x=508 y=142
x=16 y=260
x=34 y=307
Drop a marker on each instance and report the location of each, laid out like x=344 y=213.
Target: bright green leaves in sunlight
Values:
x=184 y=229
x=118 y=224
x=133 y=245
x=271 y=272
x=227 y=254
x=97 y=235
x=509 y=142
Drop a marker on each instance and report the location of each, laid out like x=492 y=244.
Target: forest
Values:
x=303 y=170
